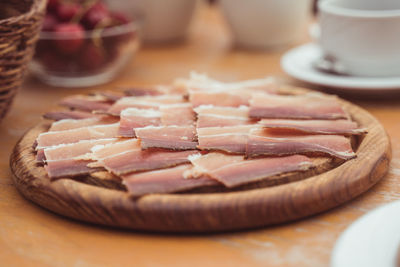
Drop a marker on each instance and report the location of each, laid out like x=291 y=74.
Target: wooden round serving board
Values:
x=207 y=212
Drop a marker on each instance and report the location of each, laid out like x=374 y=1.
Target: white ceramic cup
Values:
x=266 y=23
x=163 y=20
x=362 y=35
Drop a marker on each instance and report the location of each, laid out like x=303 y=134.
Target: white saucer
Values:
x=373 y=240
x=298 y=64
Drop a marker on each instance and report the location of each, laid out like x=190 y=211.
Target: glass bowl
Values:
x=95 y=57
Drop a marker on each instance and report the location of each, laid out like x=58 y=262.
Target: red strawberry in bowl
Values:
x=66 y=12
x=95 y=15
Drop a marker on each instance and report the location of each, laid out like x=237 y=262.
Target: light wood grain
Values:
x=207 y=212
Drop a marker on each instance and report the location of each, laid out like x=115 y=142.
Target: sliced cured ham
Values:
x=169 y=180
x=142 y=91
x=143 y=160
x=203 y=82
x=69 y=114
x=63 y=161
x=177 y=114
x=211 y=116
x=48 y=139
x=137 y=118
x=342 y=127
x=168 y=137
x=108 y=150
x=112 y=96
x=68 y=168
x=86 y=103
x=270 y=143
x=218 y=98
x=230 y=139
x=69 y=124
x=308 y=106
x=233 y=171
x=143 y=102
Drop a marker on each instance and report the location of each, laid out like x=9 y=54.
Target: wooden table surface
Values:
x=32 y=236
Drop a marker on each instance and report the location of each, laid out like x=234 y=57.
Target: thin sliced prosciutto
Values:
x=233 y=171
x=63 y=160
x=163 y=181
x=230 y=139
x=270 y=143
x=86 y=103
x=168 y=137
x=108 y=150
x=218 y=98
x=68 y=114
x=142 y=91
x=143 y=160
x=212 y=116
x=143 y=102
x=342 y=127
x=308 y=106
x=137 y=118
x=69 y=124
x=49 y=139
x=177 y=114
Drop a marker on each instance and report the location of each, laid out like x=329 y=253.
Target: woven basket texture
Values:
x=20 y=23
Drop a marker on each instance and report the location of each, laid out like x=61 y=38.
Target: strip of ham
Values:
x=163 y=181
x=218 y=98
x=270 y=143
x=233 y=171
x=230 y=139
x=103 y=151
x=142 y=91
x=143 y=160
x=168 y=137
x=86 y=103
x=203 y=82
x=177 y=114
x=144 y=102
x=137 y=118
x=342 y=127
x=69 y=124
x=211 y=116
x=49 y=139
x=308 y=106
x=69 y=114
x=63 y=160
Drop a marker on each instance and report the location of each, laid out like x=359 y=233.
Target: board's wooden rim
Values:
x=211 y=211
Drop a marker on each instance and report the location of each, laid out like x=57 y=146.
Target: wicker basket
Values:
x=20 y=23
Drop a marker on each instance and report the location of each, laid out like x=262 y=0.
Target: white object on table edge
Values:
x=373 y=240
x=298 y=61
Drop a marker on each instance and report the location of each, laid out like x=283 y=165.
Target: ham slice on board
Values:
x=69 y=124
x=86 y=103
x=233 y=170
x=269 y=143
x=168 y=137
x=342 y=127
x=309 y=106
x=212 y=116
x=69 y=114
x=168 y=180
x=137 y=118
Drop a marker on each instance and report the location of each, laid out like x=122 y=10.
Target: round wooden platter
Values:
x=207 y=212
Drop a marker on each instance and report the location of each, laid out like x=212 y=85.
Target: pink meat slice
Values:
x=163 y=181
x=136 y=118
x=177 y=114
x=309 y=106
x=86 y=103
x=212 y=116
x=270 y=143
x=64 y=161
x=69 y=124
x=168 y=137
x=230 y=139
x=342 y=127
x=143 y=102
x=69 y=114
x=48 y=139
x=68 y=168
x=109 y=150
x=218 y=98
x=233 y=171
x=144 y=160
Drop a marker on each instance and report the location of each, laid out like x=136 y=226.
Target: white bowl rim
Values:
x=326 y=6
